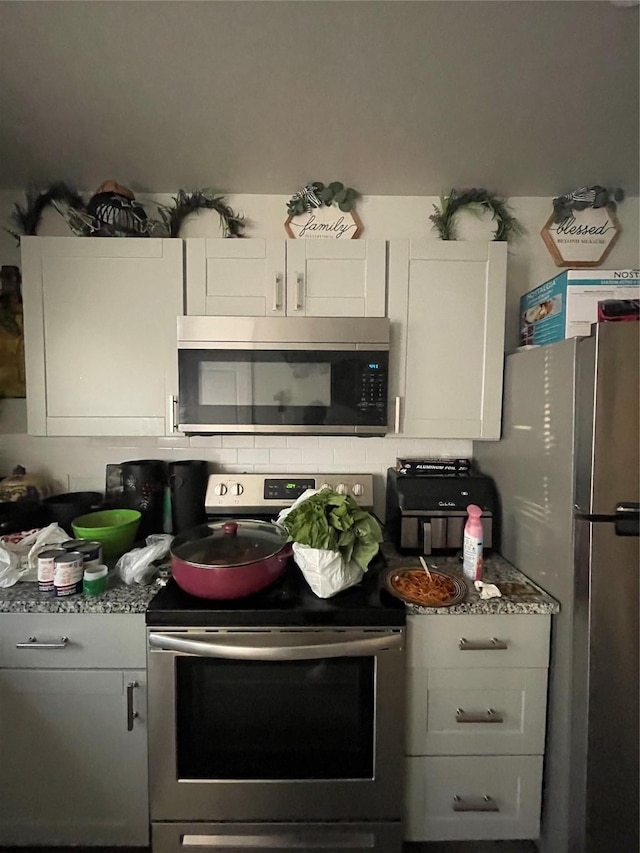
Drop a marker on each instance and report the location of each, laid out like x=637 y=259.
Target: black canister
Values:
x=143 y=482
x=188 y=485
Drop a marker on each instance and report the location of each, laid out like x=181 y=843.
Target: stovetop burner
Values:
x=287 y=602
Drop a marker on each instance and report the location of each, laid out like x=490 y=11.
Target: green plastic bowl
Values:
x=115 y=529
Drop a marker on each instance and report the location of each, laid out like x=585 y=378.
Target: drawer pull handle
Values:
x=32 y=643
x=131 y=712
x=488 y=716
x=486 y=804
x=481 y=645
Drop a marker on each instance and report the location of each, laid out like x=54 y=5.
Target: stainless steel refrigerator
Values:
x=567 y=472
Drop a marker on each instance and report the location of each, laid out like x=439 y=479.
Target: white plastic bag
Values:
x=326 y=572
x=19 y=553
x=136 y=566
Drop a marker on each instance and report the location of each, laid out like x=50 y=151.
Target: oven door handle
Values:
x=220 y=649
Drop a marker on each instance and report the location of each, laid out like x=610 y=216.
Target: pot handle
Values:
x=221 y=649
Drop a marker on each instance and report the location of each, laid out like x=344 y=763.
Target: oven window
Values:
x=285 y=720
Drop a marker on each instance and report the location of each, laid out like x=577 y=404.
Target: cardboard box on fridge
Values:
x=567 y=305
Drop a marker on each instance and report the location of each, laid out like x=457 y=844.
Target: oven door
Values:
x=276 y=724
x=281 y=388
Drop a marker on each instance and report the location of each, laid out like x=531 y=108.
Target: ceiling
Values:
x=524 y=97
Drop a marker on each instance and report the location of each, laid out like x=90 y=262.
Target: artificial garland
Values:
x=584 y=197
x=477 y=201
x=185 y=203
x=316 y=194
x=27 y=219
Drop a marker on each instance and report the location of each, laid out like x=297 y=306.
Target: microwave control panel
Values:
x=373 y=386
x=262 y=492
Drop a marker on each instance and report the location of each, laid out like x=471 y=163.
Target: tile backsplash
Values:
x=78 y=464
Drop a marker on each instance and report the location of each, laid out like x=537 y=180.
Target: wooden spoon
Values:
x=425 y=566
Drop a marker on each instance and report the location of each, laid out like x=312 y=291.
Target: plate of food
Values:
x=415 y=586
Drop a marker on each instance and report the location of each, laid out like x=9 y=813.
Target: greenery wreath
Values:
x=476 y=201
x=185 y=203
x=317 y=194
x=26 y=219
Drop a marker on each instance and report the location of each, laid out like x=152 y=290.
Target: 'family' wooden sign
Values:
x=326 y=223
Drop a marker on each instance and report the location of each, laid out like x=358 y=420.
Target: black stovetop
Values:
x=287 y=602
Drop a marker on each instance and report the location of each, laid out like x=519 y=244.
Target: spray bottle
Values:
x=472 y=545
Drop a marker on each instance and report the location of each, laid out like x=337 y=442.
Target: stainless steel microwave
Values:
x=283 y=375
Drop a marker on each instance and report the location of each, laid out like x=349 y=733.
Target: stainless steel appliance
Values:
x=276 y=721
x=567 y=472
x=428 y=513
x=283 y=375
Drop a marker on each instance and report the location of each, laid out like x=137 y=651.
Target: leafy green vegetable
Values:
x=336 y=523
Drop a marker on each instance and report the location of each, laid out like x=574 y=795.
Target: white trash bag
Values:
x=19 y=553
x=326 y=572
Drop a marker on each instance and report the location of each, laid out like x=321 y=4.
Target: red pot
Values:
x=229 y=559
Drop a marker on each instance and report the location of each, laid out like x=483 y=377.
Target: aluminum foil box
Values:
x=567 y=305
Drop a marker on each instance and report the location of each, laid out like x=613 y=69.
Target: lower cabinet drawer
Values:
x=476 y=711
x=473 y=797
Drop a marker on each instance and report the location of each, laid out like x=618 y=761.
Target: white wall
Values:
x=79 y=463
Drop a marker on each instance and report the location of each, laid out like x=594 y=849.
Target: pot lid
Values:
x=229 y=543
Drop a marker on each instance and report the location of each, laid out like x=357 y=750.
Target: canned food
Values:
x=46 y=568
x=72 y=544
x=91 y=553
x=67 y=577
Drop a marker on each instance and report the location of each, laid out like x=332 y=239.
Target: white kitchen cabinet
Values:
x=73 y=732
x=100 y=334
x=269 y=278
x=447 y=309
x=475 y=734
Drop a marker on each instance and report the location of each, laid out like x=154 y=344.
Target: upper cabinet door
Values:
x=100 y=334
x=235 y=277
x=305 y=278
x=447 y=307
x=336 y=278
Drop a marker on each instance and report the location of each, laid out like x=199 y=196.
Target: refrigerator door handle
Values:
x=627 y=519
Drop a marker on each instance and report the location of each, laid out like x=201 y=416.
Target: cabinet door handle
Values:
x=494 y=644
x=485 y=804
x=131 y=713
x=277 y=290
x=396 y=420
x=488 y=716
x=299 y=291
x=32 y=643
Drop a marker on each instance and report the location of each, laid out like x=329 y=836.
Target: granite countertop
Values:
x=24 y=597
x=520 y=595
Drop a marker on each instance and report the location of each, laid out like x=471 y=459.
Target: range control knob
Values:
x=358 y=489
x=220 y=489
x=341 y=489
x=325 y=486
x=237 y=489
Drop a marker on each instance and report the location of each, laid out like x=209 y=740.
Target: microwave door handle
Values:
x=219 y=649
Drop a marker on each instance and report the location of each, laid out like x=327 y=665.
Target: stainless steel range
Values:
x=276 y=721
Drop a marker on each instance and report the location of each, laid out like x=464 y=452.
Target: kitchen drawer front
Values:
x=72 y=640
x=476 y=712
x=446 y=798
x=478 y=641
x=351 y=836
